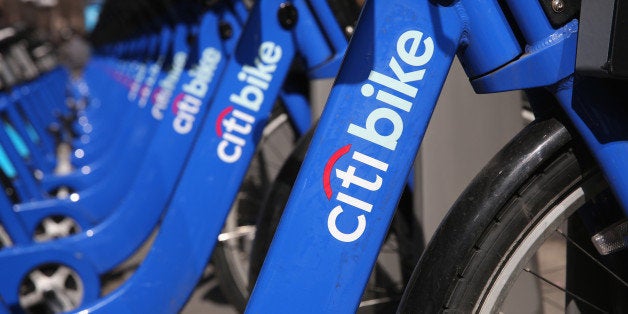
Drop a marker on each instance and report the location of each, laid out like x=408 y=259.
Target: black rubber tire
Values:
x=405 y=235
x=512 y=198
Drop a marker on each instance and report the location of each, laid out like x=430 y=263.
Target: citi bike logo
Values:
x=153 y=72
x=135 y=86
x=167 y=85
x=366 y=172
x=233 y=123
x=187 y=104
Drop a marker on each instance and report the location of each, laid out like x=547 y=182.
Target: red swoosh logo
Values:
x=329 y=166
x=175 y=103
x=156 y=92
x=221 y=117
x=125 y=80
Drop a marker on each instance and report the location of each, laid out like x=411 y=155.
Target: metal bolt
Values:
x=191 y=39
x=226 y=31
x=288 y=15
x=209 y=3
x=349 y=30
x=558 y=5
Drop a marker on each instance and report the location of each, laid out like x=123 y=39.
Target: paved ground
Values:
x=207 y=296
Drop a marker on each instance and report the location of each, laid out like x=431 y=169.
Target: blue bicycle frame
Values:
x=343 y=200
x=95 y=247
x=360 y=156
x=246 y=94
x=107 y=244
x=97 y=200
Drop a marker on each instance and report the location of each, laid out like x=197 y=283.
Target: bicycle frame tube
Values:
x=132 y=225
x=597 y=107
x=333 y=226
x=246 y=93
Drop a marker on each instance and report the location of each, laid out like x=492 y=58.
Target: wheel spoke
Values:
x=31 y=299
x=595 y=260
x=49 y=226
x=61 y=275
x=36 y=276
x=238 y=232
x=66 y=225
x=373 y=302
x=73 y=297
x=274 y=124
x=528 y=270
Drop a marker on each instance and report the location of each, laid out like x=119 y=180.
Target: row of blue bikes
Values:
x=97 y=167
x=166 y=161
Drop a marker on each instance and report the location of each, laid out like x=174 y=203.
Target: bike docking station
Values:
x=171 y=127
x=190 y=62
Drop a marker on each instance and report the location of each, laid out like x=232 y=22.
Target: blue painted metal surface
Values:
x=132 y=221
x=330 y=232
x=344 y=199
x=102 y=183
x=94 y=204
x=339 y=209
x=556 y=55
x=248 y=89
x=488 y=41
x=597 y=108
x=336 y=38
x=531 y=20
x=99 y=247
x=553 y=51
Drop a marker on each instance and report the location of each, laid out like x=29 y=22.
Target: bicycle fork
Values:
x=333 y=226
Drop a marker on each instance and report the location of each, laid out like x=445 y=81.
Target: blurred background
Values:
x=65 y=23
x=54 y=19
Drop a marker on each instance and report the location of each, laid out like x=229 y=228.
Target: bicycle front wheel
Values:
x=521 y=232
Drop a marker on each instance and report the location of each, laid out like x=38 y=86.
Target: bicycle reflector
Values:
x=612 y=239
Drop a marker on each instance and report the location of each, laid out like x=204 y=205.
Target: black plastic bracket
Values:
x=559 y=12
x=603 y=39
x=618 y=52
